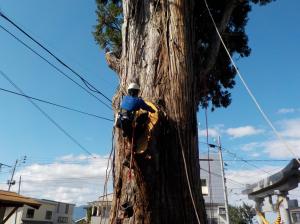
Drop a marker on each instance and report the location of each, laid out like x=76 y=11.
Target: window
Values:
x=62 y=219
x=57 y=208
x=296 y=217
x=222 y=211
x=30 y=213
x=67 y=208
x=48 y=215
x=204 y=187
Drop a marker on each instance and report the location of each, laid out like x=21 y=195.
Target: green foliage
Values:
x=89 y=214
x=241 y=214
x=108 y=29
x=216 y=85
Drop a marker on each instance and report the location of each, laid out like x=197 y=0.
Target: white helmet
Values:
x=133 y=86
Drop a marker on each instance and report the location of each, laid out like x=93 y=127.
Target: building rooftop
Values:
x=12 y=199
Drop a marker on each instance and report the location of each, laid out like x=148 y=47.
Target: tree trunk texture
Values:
x=157 y=52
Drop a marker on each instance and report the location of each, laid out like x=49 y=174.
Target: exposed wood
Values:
x=113 y=61
x=215 y=45
x=9 y=215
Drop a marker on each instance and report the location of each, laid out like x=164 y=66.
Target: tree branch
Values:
x=113 y=61
x=216 y=43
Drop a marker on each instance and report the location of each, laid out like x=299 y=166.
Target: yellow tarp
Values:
x=142 y=141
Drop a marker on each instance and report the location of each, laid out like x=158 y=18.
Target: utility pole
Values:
x=224 y=180
x=11 y=181
x=19 y=190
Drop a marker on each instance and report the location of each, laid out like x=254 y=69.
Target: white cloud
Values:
x=237 y=180
x=243 y=131
x=250 y=146
x=286 y=110
x=75 y=179
x=212 y=132
x=277 y=149
x=291 y=128
x=291 y=134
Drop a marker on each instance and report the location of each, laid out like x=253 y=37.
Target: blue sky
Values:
x=272 y=72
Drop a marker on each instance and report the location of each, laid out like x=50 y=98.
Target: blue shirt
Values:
x=131 y=103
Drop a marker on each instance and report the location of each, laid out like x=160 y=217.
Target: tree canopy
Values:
x=218 y=74
x=241 y=214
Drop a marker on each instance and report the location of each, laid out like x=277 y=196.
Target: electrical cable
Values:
x=3 y=164
x=266 y=118
x=235 y=156
x=54 y=66
x=47 y=116
x=86 y=83
x=55 y=104
x=219 y=175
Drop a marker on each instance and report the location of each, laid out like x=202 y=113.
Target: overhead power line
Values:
x=3 y=164
x=54 y=66
x=47 y=115
x=264 y=115
x=219 y=175
x=55 y=104
x=237 y=157
x=86 y=83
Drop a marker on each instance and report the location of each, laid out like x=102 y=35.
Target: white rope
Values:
x=186 y=172
x=188 y=179
x=250 y=92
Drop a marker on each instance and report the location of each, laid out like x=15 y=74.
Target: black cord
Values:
x=86 y=83
x=55 y=104
x=54 y=66
x=47 y=115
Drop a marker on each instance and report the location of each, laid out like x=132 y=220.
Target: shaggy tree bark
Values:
x=158 y=53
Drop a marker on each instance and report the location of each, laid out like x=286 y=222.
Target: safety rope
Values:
x=186 y=170
x=209 y=170
x=187 y=178
x=107 y=174
x=278 y=135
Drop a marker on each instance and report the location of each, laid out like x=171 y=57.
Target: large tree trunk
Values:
x=157 y=52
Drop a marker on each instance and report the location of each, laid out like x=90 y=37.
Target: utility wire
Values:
x=52 y=65
x=219 y=175
x=55 y=104
x=3 y=164
x=86 y=83
x=239 y=158
x=264 y=115
x=47 y=115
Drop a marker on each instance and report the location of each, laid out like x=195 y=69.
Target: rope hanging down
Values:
x=86 y=83
x=186 y=170
x=278 y=135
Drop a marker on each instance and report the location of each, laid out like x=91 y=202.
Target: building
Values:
x=212 y=188
x=213 y=195
x=100 y=210
x=10 y=202
x=49 y=212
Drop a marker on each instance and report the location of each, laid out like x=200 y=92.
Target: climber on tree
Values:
x=129 y=105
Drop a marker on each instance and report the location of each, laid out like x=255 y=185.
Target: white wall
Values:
x=39 y=214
